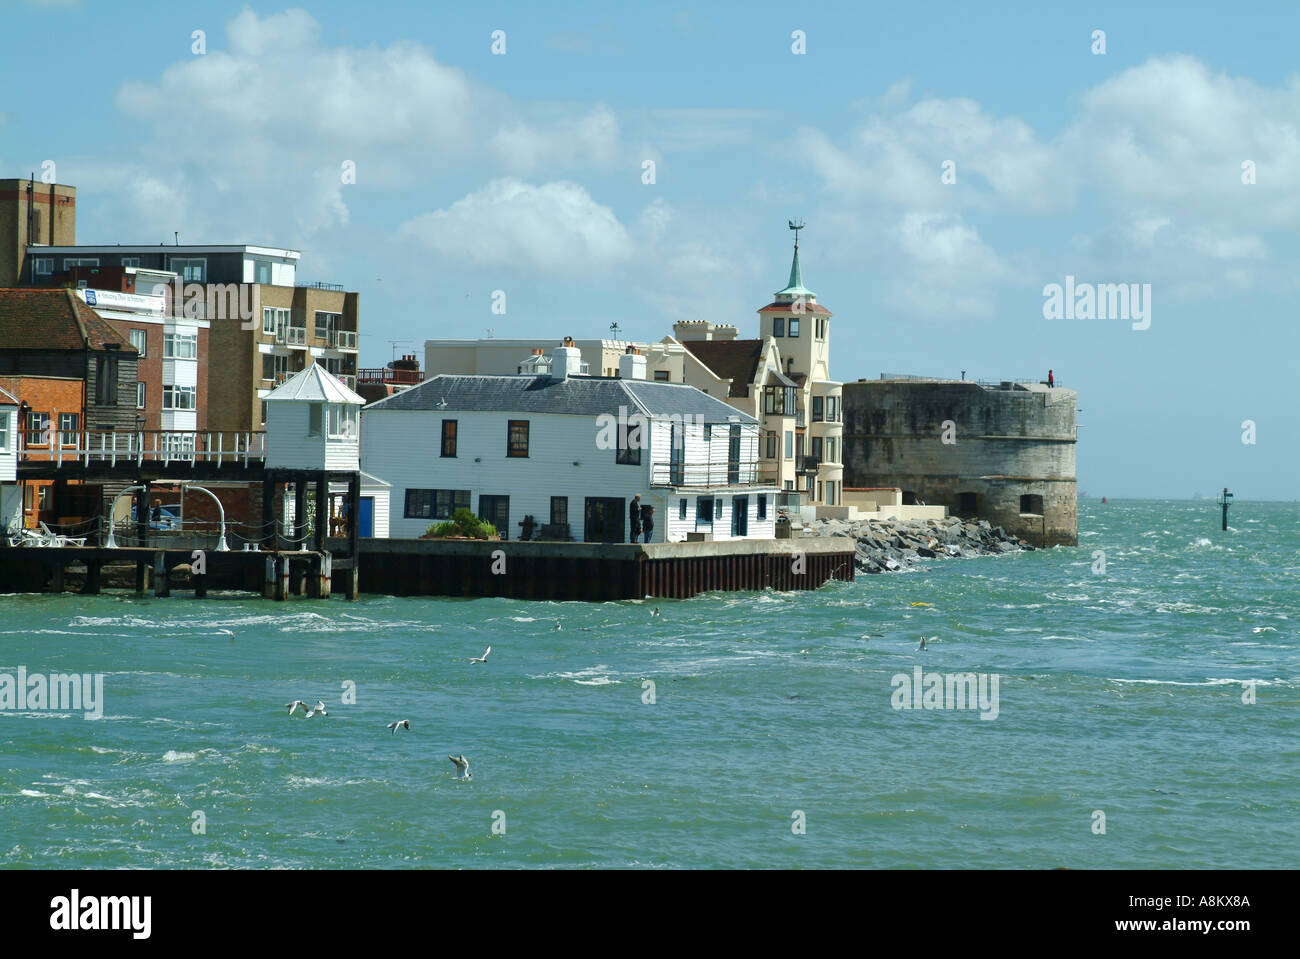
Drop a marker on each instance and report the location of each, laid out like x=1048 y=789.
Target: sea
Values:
x=1133 y=703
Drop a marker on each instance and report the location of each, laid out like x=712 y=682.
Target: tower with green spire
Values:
x=800 y=328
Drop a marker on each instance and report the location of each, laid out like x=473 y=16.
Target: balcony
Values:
x=705 y=475
x=291 y=335
x=344 y=340
x=110 y=447
x=395 y=377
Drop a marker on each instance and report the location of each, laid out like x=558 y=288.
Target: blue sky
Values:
x=522 y=172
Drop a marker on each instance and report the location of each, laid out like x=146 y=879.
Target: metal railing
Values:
x=706 y=475
x=338 y=287
x=387 y=375
x=154 y=446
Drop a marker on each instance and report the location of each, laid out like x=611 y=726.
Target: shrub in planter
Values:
x=463 y=525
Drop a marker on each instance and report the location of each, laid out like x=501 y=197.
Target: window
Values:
x=1031 y=503
x=179 y=397
x=779 y=400
x=268 y=366
x=274 y=319
x=517 y=438
x=106 y=380
x=661 y=376
x=630 y=441
x=794 y=327
x=262 y=271
x=708 y=432
x=4 y=431
x=131 y=261
x=342 y=419
x=326 y=324
x=43 y=265
x=139 y=395
x=819 y=490
x=139 y=338
x=559 y=510
x=778 y=326
x=315 y=419
x=819 y=406
x=71 y=261
x=704 y=511
x=789 y=444
x=38 y=429
x=192 y=270
x=435 y=503
x=264 y=412
x=449 y=437
x=817 y=448
x=181 y=346
x=770 y=445
x=68 y=427
x=681 y=509
x=761 y=506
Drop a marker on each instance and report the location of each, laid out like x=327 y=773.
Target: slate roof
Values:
x=53 y=320
x=787 y=307
x=314 y=384
x=574 y=396
x=735 y=360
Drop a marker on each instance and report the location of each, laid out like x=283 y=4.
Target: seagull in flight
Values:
x=655 y=611
x=558 y=624
x=293 y=706
x=404 y=723
x=922 y=646
x=462 y=766
x=442 y=403
x=226 y=632
x=483 y=658
x=318 y=708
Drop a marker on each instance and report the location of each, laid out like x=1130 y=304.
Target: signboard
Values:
x=130 y=302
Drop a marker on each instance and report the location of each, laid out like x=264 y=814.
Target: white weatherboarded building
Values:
x=312 y=423
x=11 y=500
x=563 y=449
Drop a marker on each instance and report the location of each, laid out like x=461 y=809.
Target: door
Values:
x=496 y=510
x=740 y=516
x=603 y=519
x=676 y=451
x=367 y=517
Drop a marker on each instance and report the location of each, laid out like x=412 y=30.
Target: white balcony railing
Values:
x=345 y=339
x=296 y=335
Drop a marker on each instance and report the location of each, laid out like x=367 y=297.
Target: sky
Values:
x=638 y=164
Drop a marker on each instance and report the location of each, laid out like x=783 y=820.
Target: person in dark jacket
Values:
x=648 y=521
x=634 y=517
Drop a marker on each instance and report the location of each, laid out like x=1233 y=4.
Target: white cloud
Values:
x=555 y=227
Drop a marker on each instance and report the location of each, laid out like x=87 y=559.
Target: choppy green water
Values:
x=1119 y=692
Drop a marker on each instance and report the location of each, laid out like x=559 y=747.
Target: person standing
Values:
x=1051 y=380
x=648 y=521
x=634 y=517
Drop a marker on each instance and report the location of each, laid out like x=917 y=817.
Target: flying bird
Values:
x=442 y=403
x=655 y=611
x=226 y=632
x=404 y=723
x=922 y=646
x=293 y=706
x=558 y=624
x=483 y=658
x=318 y=708
x=462 y=766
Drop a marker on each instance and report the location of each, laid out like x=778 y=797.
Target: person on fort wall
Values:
x=1051 y=380
x=648 y=521
x=634 y=517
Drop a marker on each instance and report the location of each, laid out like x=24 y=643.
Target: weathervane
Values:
x=613 y=328
x=796 y=226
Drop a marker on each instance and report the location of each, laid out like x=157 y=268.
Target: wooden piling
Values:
x=161 y=581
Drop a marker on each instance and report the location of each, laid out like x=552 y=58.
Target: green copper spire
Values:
x=796 y=287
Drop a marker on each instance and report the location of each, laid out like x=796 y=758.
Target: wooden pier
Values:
x=277 y=574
